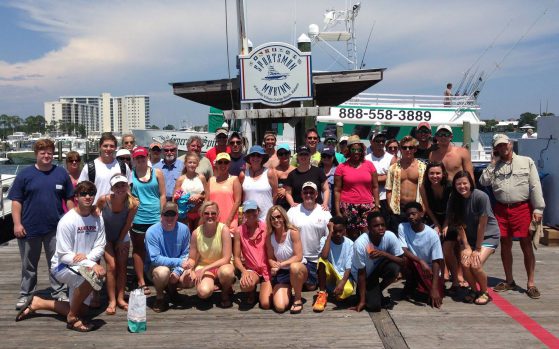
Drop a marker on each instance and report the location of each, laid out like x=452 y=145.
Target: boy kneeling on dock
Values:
x=334 y=264
x=80 y=243
x=423 y=257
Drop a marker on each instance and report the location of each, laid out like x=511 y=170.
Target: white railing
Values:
x=417 y=101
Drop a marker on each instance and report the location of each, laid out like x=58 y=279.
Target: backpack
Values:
x=91 y=170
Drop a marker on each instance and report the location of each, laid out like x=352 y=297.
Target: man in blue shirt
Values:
x=167 y=244
x=170 y=166
x=376 y=255
x=37 y=195
x=423 y=254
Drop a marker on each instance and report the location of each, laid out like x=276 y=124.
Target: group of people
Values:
x=339 y=217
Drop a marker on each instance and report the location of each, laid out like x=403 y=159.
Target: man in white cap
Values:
x=312 y=222
x=454 y=158
x=516 y=184
x=423 y=136
x=269 y=145
x=221 y=136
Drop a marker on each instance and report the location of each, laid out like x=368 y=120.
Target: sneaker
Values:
x=160 y=305
x=503 y=286
x=320 y=303
x=21 y=302
x=90 y=276
x=533 y=292
x=63 y=298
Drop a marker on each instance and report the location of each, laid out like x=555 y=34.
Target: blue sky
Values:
x=55 y=48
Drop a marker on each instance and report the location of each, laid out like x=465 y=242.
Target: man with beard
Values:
x=170 y=166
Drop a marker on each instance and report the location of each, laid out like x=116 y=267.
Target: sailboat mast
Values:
x=243 y=40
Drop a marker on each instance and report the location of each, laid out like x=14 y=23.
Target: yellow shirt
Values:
x=209 y=248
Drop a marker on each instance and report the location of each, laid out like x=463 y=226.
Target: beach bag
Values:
x=184 y=205
x=137 y=311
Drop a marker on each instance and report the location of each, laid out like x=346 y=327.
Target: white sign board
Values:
x=276 y=74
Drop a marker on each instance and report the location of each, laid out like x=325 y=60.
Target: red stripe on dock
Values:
x=527 y=322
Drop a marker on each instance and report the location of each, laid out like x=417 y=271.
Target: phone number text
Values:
x=384 y=114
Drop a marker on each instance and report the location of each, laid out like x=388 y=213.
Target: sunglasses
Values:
x=424 y=131
x=86 y=193
x=222 y=162
x=73 y=161
x=330 y=141
x=443 y=134
x=356 y=150
x=283 y=153
x=312 y=138
x=380 y=141
x=392 y=148
x=170 y=214
x=327 y=156
x=125 y=158
x=210 y=213
x=235 y=142
x=169 y=150
x=408 y=147
x=277 y=218
x=130 y=142
x=309 y=192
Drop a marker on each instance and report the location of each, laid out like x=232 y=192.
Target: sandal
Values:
x=533 y=292
x=296 y=308
x=483 y=299
x=22 y=315
x=78 y=325
x=471 y=296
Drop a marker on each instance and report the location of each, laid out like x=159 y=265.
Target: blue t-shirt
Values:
x=389 y=243
x=171 y=173
x=425 y=244
x=167 y=248
x=41 y=194
x=340 y=255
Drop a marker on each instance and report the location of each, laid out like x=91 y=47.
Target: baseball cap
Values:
x=222 y=156
x=500 y=138
x=235 y=134
x=303 y=149
x=122 y=152
x=328 y=151
x=249 y=205
x=257 y=149
x=118 y=178
x=343 y=139
x=170 y=206
x=285 y=147
x=424 y=124
x=220 y=131
x=310 y=185
x=376 y=134
x=140 y=151
x=444 y=127
x=155 y=145
x=330 y=136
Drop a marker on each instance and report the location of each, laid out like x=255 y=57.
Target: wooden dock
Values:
x=203 y=325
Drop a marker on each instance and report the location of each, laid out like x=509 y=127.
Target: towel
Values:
x=536 y=230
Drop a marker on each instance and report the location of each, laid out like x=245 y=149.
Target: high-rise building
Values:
x=103 y=113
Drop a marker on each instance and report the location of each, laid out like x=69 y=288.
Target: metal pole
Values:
x=467 y=139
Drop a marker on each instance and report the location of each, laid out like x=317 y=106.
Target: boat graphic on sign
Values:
x=273 y=74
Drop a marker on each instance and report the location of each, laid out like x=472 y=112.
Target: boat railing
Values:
x=6 y=182
x=415 y=101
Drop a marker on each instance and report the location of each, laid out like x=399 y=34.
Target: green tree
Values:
x=35 y=124
x=489 y=125
x=153 y=127
x=527 y=119
x=169 y=127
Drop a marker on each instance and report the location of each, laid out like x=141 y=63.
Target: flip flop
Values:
x=27 y=305
x=296 y=308
x=71 y=325
x=483 y=299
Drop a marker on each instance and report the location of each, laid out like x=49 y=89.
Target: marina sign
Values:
x=276 y=74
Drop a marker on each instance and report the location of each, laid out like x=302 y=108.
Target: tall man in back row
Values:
x=516 y=185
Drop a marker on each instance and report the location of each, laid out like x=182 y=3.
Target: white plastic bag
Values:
x=137 y=321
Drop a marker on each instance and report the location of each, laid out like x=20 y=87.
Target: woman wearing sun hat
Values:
x=260 y=183
x=356 y=188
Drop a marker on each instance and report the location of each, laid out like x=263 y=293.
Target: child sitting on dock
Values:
x=334 y=264
x=423 y=255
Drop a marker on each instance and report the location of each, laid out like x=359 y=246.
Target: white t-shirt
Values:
x=103 y=174
x=389 y=243
x=425 y=244
x=76 y=234
x=340 y=255
x=382 y=165
x=312 y=226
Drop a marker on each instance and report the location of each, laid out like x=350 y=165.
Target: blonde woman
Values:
x=193 y=184
x=209 y=261
x=285 y=257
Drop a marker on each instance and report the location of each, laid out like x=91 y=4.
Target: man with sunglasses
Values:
x=238 y=163
x=37 y=195
x=423 y=136
x=403 y=181
x=516 y=184
x=382 y=161
x=170 y=166
x=311 y=141
x=330 y=140
x=220 y=145
x=154 y=153
x=167 y=244
x=129 y=142
x=454 y=158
